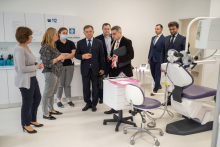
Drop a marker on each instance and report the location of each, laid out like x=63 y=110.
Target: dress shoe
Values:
x=40 y=125
x=111 y=111
x=86 y=108
x=57 y=113
x=100 y=101
x=49 y=117
x=160 y=87
x=30 y=132
x=152 y=94
x=94 y=109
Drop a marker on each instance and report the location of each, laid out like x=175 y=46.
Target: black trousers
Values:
x=30 y=101
x=86 y=88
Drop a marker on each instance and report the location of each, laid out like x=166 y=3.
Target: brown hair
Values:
x=22 y=34
x=173 y=23
x=60 y=30
x=48 y=37
x=106 y=24
x=87 y=26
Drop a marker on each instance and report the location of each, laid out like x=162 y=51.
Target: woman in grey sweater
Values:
x=25 y=78
x=52 y=60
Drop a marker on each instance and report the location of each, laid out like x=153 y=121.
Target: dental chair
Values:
x=187 y=99
x=140 y=103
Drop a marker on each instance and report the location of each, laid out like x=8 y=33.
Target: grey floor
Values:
x=85 y=129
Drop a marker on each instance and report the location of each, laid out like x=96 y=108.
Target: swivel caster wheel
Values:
x=125 y=132
x=132 y=119
x=157 y=143
x=161 y=133
x=104 y=123
x=135 y=125
x=132 y=142
x=116 y=129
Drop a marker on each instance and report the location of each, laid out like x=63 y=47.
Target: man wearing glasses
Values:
x=173 y=41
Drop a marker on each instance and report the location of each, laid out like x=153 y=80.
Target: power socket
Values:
x=3 y=48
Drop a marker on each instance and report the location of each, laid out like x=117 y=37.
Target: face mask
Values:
x=64 y=37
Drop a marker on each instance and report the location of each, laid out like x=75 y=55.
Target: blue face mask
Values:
x=64 y=37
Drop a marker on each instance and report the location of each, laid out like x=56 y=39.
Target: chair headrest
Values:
x=179 y=75
x=135 y=94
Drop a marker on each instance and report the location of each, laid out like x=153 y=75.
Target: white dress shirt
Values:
x=108 y=43
x=115 y=65
x=157 y=38
x=174 y=37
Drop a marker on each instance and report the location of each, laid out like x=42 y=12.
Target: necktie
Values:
x=155 y=39
x=171 y=42
x=89 y=46
x=113 y=60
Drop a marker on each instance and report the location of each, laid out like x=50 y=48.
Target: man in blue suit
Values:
x=106 y=39
x=90 y=52
x=154 y=57
x=173 y=41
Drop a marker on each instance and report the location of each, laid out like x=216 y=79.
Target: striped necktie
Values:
x=155 y=39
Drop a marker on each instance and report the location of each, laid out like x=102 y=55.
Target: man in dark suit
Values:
x=173 y=41
x=120 y=41
x=106 y=39
x=90 y=52
x=154 y=57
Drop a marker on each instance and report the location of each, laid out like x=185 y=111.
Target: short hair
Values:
x=106 y=24
x=22 y=34
x=173 y=23
x=60 y=30
x=87 y=26
x=160 y=26
x=117 y=28
x=48 y=37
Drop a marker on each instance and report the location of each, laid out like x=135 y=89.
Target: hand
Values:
x=109 y=57
x=148 y=61
x=116 y=58
x=61 y=57
x=87 y=56
x=101 y=72
x=40 y=65
x=161 y=69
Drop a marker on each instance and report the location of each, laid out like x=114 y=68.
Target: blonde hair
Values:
x=48 y=37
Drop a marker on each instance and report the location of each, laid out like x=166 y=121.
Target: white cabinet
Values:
x=55 y=21
x=11 y=22
x=14 y=92
x=2 y=30
x=76 y=85
x=36 y=23
x=72 y=23
x=4 y=87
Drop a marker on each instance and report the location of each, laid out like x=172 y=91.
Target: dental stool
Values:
x=140 y=103
x=187 y=99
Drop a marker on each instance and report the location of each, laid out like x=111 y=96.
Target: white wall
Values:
x=185 y=9
x=137 y=18
x=210 y=72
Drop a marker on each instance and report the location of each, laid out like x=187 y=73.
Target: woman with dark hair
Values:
x=25 y=78
x=68 y=48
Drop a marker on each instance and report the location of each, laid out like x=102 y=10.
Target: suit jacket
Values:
x=127 y=70
x=178 y=45
x=97 y=61
x=155 y=50
x=101 y=37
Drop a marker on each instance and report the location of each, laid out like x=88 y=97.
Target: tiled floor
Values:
x=85 y=129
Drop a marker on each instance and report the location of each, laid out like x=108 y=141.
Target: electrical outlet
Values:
x=3 y=48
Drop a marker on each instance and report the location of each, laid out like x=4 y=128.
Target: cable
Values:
x=209 y=56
